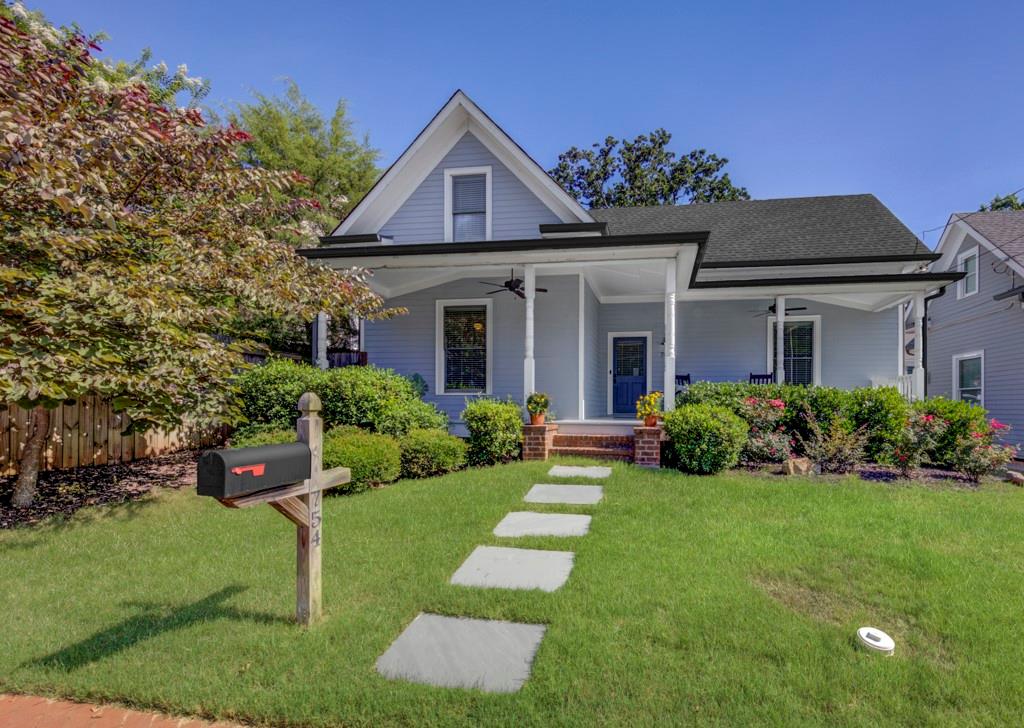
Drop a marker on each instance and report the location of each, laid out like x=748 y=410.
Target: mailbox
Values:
x=234 y=473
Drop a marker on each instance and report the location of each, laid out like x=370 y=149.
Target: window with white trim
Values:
x=801 y=348
x=464 y=341
x=967 y=263
x=969 y=377
x=467 y=204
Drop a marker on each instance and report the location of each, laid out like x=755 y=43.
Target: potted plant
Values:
x=648 y=407
x=537 y=405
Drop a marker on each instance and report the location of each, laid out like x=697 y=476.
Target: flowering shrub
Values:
x=980 y=453
x=961 y=420
x=648 y=405
x=914 y=443
x=538 y=403
x=767 y=440
x=839 y=448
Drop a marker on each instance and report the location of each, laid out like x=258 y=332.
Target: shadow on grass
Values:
x=155 y=619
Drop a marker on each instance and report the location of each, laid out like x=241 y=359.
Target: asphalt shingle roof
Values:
x=1002 y=228
x=791 y=228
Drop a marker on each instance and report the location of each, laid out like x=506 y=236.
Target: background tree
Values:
x=132 y=237
x=1004 y=202
x=643 y=171
x=289 y=133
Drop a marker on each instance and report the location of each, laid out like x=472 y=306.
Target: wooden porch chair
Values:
x=762 y=378
x=682 y=382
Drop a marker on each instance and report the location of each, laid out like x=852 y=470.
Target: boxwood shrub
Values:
x=706 y=438
x=374 y=399
x=882 y=412
x=374 y=459
x=426 y=453
x=495 y=431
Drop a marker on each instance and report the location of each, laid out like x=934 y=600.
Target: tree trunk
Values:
x=31 y=459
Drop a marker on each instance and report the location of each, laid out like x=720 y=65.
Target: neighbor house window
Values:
x=969 y=377
x=802 y=349
x=467 y=204
x=464 y=343
x=968 y=265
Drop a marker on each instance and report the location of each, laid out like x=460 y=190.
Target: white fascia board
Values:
x=953 y=238
x=792 y=271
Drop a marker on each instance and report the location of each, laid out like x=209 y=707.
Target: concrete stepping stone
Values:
x=529 y=523
x=570 y=494
x=458 y=652
x=576 y=471
x=497 y=567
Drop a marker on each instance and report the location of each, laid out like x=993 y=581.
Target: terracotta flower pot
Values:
x=651 y=421
x=537 y=419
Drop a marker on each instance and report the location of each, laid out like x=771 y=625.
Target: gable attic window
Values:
x=467 y=204
x=967 y=262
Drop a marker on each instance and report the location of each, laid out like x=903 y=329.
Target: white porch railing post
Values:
x=320 y=341
x=669 y=389
x=529 y=381
x=780 y=339
x=919 y=374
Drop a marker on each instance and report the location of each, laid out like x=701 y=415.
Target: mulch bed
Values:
x=62 y=492
x=933 y=476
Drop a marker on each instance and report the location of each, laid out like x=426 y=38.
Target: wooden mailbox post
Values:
x=301 y=503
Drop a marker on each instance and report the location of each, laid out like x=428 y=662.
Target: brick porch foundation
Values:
x=647 y=446
x=538 y=440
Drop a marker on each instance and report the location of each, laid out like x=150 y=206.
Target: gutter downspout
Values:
x=924 y=333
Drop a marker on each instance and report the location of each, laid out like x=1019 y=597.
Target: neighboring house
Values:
x=511 y=286
x=975 y=341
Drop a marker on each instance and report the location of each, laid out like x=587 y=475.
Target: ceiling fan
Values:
x=512 y=285
x=771 y=310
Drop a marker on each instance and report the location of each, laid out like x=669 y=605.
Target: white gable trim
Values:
x=952 y=240
x=430 y=146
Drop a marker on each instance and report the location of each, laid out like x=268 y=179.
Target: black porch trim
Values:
x=499 y=246
x=777 y=262
x=573 y=227
x=348 y=239
x=831 y=280
x=1018 y=291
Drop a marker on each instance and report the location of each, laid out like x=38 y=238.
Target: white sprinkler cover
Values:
x=877 y=640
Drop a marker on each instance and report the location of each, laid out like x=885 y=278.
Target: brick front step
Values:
x=602 y=441
x=600 y=453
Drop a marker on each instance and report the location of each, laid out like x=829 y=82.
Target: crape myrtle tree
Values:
x=642 y=172
x=134 y=245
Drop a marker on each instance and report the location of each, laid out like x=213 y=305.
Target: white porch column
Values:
x=918 y=348
x=780 y=339
x=670 y=335
x=529 y=380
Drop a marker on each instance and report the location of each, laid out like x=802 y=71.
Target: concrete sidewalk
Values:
x=28 y=711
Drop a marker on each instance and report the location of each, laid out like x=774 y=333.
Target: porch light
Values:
x=875 y=640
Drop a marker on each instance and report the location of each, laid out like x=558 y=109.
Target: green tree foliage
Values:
x=289 y=133
x=132 y=237
x=1004 y=202
x=642 y=172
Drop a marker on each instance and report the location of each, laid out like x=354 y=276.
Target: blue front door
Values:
x=629 y=373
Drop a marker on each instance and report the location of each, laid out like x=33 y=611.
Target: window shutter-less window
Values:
x=798 y=351
x=469 y=207
x=465 y=349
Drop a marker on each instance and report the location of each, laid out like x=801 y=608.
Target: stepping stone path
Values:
x=496 y=567
x=458 y=652
x=486 y=654
x=528 y=523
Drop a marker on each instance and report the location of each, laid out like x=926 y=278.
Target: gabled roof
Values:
x=1001 y=231
x=450 y=123
x=790 y=229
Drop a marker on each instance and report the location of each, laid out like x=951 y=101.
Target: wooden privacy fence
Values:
x=89 y=433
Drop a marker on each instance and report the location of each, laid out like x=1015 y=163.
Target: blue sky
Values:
x=919 y=103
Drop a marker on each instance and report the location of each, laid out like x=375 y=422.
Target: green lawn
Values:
x=729 y=600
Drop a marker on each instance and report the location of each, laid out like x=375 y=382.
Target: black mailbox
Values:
x=233 y=473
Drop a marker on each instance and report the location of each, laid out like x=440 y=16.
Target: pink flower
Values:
x=751 y=401
x=977 y=435
x=777 y=403
x=997 y=425
x=927 y=418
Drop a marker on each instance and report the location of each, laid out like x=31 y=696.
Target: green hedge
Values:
x=427 y=453
x=374 y=399
x=881 y=411
x=374 y=459
x=705 y=438
x=495 y=431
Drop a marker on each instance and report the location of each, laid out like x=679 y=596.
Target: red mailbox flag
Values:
x=257 y=470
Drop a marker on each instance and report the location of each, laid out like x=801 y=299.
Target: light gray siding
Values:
x=406 y=343
x=727 y=340
x=516 y=213
x=977 y=323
